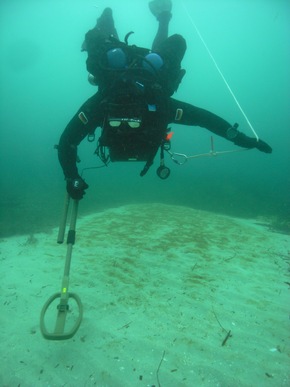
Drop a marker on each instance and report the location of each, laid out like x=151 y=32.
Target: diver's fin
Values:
x=159 y=6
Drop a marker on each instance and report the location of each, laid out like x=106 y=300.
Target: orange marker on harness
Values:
x=169 y=136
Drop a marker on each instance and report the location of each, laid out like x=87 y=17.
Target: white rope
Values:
x=219 y=71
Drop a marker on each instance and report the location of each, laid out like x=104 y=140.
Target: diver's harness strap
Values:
x=130 y=139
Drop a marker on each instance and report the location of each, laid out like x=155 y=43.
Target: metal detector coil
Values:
x=63 y=308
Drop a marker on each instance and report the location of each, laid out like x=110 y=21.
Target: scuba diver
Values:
x=133 y=105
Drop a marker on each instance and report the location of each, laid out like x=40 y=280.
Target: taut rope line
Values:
x=219 y=71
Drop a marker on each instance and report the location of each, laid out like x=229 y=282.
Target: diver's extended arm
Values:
x=85 y=121
x=187 y=114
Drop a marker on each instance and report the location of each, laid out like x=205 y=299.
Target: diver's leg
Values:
x=104 y=28
x=172 y=50
x=161 y=9
x=105 y=23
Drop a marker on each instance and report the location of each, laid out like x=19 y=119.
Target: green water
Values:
x=43 y=83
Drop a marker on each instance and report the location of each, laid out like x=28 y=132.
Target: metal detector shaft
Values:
x=62 y=224
x=64 y=296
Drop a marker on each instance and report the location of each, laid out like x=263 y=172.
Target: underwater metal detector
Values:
x=61 y=329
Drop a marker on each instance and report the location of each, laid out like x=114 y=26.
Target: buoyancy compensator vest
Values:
x=134 y=100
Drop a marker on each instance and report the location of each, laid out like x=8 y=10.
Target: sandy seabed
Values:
x=172 y=297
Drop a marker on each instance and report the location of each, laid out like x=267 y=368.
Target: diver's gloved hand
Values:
x=248 y=142
x=76 y=188
x=263 y=146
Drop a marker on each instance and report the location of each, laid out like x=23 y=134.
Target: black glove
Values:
x=76 y=188
x=263 y=146
x=248 y=142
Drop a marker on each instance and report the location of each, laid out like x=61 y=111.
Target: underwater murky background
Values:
x=44 y=81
